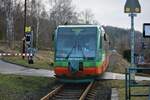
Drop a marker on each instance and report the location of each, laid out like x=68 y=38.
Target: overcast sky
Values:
x=111 y=12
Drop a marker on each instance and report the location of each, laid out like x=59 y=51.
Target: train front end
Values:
x=78 y=53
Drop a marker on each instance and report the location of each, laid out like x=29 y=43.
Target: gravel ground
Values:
x=100 y=91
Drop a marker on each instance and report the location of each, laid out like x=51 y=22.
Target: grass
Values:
x=120 y=85
x=118 y=65
x=38 y=64
x=41 y=61
x=13 y=87
x=18 y=85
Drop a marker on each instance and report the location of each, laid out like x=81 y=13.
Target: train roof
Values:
x=80 y=26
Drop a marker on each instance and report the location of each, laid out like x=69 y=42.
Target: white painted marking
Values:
x=27 y=54
x=9 y=54
x=114 y=94
x=118 y=76
x=23 y=54
x=4 y=54
x=114 y=76
x=16 y=54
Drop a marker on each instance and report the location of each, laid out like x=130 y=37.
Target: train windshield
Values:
x=73 y=42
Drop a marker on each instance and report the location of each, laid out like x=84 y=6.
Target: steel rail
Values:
x=84 y=94
x=52 y=93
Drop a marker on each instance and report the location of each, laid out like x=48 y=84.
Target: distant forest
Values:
x=43 y=20
x=120 y=41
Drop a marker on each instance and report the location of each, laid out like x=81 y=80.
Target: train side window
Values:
x=100 y=42
x=99 y=38
x=105 y=37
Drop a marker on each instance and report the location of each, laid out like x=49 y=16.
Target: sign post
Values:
x=132 y=7
x=29 y=43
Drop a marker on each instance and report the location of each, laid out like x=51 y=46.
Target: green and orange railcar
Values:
x=80 y=52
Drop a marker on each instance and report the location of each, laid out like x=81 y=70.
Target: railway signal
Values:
x=28 y=37
x=132 y=7
x=29 y=43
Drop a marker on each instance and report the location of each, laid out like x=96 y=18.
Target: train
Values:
x=81 y=52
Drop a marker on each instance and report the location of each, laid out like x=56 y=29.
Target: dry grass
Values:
x=45 y=56
x=42 y=60
x=117 y=63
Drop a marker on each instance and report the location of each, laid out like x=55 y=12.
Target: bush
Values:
x=1 y=35
x=127 y=55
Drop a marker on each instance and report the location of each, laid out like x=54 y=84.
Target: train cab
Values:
x=80 y=53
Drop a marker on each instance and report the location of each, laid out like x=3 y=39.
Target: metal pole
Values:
x=25 y=9
x=129 y=85
x=132 y=15
x=142 y=51
x=126 y=84
x=132 y=39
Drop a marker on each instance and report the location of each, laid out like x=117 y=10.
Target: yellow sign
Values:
x=28 y=29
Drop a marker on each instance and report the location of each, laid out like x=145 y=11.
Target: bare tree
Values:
x=2 y=18
x=10 y=22
x=42 y=22
x=87 y=17
x=62 y=12
x=39 y=9
x=18 y=19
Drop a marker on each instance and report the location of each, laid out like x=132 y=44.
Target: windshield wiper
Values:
x=76 y=45
x=70 y=52
x=82 y=51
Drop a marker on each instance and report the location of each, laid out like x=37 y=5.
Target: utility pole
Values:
x=25 y=10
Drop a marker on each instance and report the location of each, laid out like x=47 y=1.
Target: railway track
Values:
x=88 y=91
x=69 y=92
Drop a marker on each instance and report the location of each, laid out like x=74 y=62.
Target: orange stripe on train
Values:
x=86 y=71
